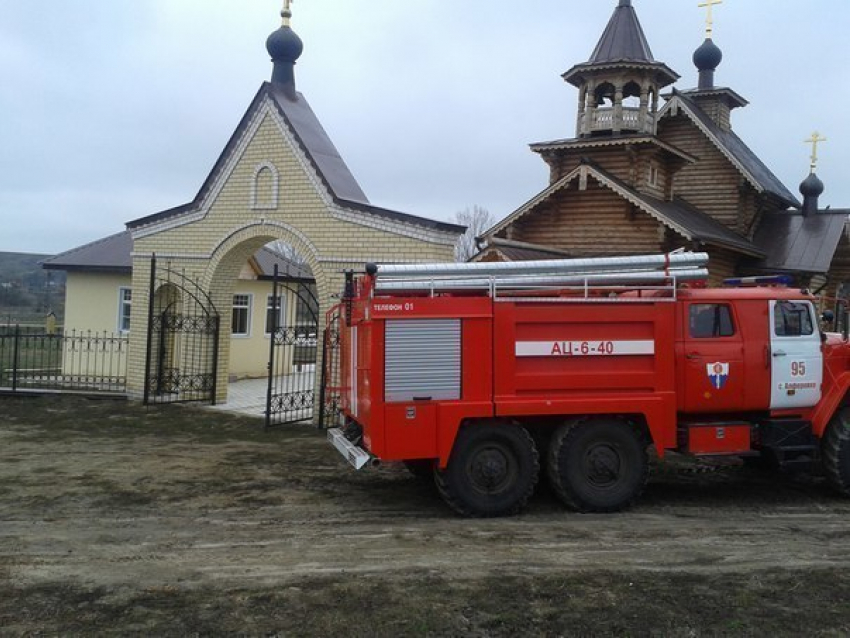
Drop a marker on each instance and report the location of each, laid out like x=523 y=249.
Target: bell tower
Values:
x=619 y=85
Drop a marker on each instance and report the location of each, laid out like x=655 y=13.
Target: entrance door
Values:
x=797 y=362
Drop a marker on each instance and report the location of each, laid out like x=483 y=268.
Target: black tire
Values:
x=421 y=469
x=835 y=452
x=492 y=471
x=598 y=466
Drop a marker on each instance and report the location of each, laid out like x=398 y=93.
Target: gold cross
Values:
x=709 y=19
x=814 y=140
x=286 y=14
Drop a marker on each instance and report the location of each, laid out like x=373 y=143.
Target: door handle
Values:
x=780 y=353
x=691 y=355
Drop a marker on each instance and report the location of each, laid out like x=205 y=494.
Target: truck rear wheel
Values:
x=598 y=466
x=492 y=471
x=835 y=450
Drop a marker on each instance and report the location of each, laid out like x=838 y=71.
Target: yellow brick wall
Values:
x=213 y=247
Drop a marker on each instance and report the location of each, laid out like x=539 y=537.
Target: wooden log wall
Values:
x=712 y=184
x=594 y=222
x=630 y=164
x=722 y=264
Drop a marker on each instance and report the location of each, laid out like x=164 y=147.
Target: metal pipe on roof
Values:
x=646 y=278
x=549 y=266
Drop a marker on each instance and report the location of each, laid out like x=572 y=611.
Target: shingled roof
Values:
x=623 y=38
x=113 y=254
x=322 y=154
x=800 y=243
x=110 y=254
x=623 y=43
x=509 y=250
x=266 y=259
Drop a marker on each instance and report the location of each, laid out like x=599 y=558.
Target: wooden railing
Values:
x=603 y=119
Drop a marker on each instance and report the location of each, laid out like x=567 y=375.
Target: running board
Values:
x=356 y=456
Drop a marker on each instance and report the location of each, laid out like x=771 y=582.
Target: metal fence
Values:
x=32 y=359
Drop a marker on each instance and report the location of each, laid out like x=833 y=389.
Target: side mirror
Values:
x=828 y=316
x=844 y=321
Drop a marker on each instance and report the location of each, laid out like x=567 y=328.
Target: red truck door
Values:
x=713 y=358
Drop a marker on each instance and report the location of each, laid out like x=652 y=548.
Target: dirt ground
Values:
x=117 y=519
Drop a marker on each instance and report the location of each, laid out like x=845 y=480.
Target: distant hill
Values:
x=27 y=291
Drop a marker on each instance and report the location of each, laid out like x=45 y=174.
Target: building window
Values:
x=653 y=174
x=240 y=326
x=274 y=315
x=711 y=320
x=125 y=302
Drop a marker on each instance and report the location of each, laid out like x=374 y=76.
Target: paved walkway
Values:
x=248 y=396
x=245 y=397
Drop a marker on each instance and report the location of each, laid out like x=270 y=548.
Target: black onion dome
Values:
x=284 y=45
x=708 y=57
x=812 y=186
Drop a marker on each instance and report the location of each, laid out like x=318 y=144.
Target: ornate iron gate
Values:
x=182 y=347
x=293 y=314
x=330 y=402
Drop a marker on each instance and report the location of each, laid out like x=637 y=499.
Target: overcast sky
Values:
x=116 y=109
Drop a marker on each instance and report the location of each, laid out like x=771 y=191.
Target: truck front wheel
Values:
x=835 y=451
x=598 y=466
x=492 y=471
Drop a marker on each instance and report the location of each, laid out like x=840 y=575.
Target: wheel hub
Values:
x=490 y=470
x=602 y=465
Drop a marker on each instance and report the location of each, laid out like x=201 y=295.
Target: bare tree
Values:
x=288 y=252
x=477 y=220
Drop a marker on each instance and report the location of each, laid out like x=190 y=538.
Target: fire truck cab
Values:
x=484 y=375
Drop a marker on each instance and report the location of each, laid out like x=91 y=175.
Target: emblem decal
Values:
x=718 y=374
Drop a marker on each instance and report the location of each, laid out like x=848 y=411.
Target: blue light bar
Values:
x=769 y=280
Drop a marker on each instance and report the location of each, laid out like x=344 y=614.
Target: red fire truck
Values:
x=488 y=374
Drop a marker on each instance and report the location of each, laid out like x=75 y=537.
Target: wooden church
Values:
x=652 y=169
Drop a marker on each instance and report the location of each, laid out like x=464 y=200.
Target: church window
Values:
x=265 y=187
x=653 y=178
